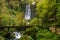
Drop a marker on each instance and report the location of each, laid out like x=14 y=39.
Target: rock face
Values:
x=56 y=30
x=52 y=29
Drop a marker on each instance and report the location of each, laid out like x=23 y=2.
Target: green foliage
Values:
x=12 y=14
x=5 y=19
x=12 y=35
x=2 y=33
x=58 y=14
x=44 y=34
x=40 y=34
x=30 y=31
x=2 y=38
x=34 y=22
x=45 y=10
x=26 y=37
x=12 y=20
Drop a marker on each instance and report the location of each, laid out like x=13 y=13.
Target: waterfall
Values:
x=28 y=12
x=17 y=35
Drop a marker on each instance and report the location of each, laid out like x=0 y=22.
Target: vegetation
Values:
x=45 y=14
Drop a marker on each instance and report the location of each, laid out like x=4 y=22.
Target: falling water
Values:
x=17 y=35
x=28 y=13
